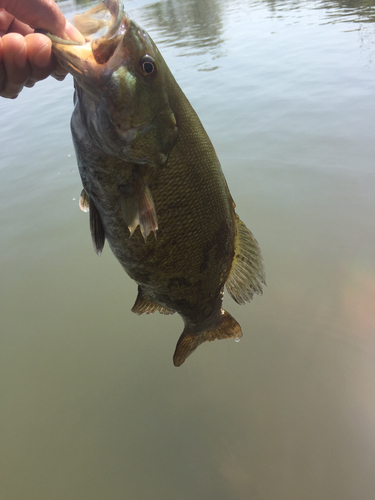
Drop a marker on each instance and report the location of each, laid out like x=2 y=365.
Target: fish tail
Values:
x=228 y=328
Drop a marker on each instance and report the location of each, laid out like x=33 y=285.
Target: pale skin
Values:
x=25 y=56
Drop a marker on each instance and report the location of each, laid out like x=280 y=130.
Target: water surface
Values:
x=91 y=405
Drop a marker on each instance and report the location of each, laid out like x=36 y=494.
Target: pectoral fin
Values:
x=228 y=328
x=138 y=207
x=247 y=273
x=145 y=305
x=96 y=228
x=84 y=201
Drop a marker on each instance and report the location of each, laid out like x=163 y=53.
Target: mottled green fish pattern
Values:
x=152 y=183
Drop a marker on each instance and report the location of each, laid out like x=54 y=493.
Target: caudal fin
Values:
x=228 y=328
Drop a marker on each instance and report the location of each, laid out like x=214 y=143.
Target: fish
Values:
x=152 y=183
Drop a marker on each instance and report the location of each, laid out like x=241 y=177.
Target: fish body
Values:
x=152 y=182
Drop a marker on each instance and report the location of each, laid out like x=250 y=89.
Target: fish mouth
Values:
x=103 y=27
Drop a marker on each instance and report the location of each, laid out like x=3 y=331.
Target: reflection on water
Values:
x=357 y=10
x=92 y=406
x=188 y=23
x=192 y=27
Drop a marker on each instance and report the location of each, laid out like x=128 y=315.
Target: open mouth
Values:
x=102 y=26
x=101 y=21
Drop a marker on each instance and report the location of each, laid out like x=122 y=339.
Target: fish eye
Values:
x=148 y=65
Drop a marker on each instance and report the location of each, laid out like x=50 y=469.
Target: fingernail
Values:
x=43 y=57
x=73 y=34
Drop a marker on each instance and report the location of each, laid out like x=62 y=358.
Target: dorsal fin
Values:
x=247 y=273
x=145 y=305
x=96 y=228
x=228 y=328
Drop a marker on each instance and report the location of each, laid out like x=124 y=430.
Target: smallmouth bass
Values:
x=152 y=183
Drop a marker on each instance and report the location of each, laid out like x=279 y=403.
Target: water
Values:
x=91 y=405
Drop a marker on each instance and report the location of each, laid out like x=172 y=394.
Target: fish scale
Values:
x=153 y=183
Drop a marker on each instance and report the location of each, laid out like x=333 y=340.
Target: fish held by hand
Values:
x=148 y=166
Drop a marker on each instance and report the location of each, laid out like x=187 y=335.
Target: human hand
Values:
x=25 y=56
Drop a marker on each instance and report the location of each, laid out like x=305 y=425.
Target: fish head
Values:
x=122 y=85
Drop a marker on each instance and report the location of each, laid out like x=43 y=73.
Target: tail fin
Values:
x=228 y=328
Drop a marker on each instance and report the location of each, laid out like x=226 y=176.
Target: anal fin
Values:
x=145 y=305
x=228 y=328
x=247 y=274
x=138 y=207
x=96 y=228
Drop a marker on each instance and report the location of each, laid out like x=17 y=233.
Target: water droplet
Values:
x=237 y=339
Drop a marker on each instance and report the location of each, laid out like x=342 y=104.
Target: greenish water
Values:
x=91 y=405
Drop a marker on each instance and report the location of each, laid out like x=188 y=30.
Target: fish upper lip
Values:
x=115 y=29
x=80 y=58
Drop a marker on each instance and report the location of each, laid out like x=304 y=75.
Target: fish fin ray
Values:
x=96 y=228
x=84 y=201
x=145 y=305
x=247 y=274
x=138 y=208
x=228 y=328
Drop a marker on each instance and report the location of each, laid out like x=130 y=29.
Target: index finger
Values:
x=43 y=14
x=6 y=20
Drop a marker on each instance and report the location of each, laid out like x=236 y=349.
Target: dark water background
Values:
x=91 y=405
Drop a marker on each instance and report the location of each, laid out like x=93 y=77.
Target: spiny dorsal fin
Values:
x=228 y=328
x=84 y=201
x=247 y=273
x=145 y=305
x=138 y=206
x=96 y=228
